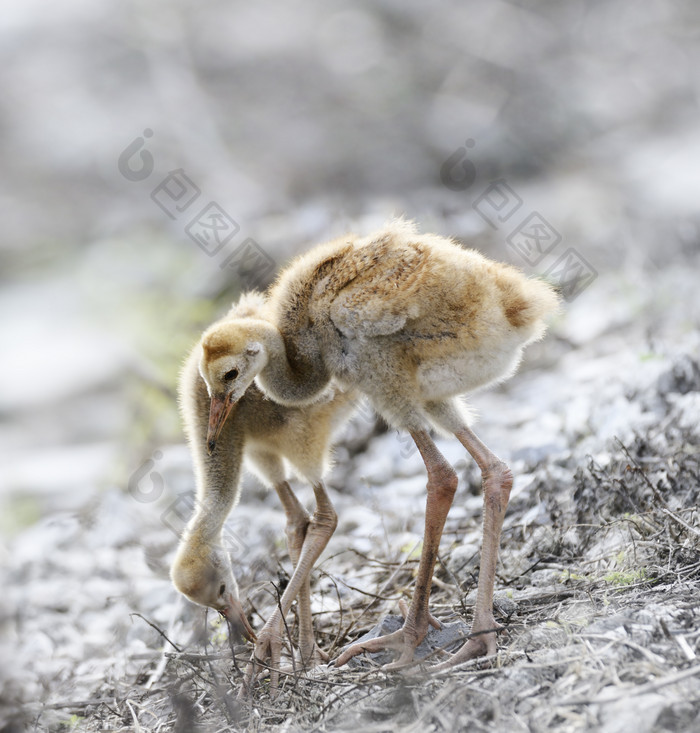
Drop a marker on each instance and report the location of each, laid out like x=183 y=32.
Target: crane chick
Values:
x=413 y=321
x=268 y=435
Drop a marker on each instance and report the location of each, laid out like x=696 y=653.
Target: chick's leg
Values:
x=441 y=487
x=271 y=638
x=297 y=525
x=497 y=481
x=308 y=537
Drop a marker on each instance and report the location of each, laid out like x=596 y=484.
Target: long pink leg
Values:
x=442 y=484
x=497 y=481
x=319 y=530
x=297 y=525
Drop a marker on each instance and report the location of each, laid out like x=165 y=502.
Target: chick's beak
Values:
x=238 y=622
x=218 y=412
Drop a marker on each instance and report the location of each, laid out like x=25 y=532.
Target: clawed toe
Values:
x=471 y=650
x=481 y=645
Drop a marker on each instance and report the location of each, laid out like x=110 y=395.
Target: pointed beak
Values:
x=218 y=412
x=238 y=622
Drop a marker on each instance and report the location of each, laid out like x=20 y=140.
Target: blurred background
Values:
x=158 y=158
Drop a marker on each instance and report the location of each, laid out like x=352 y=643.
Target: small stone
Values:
x=449 y=637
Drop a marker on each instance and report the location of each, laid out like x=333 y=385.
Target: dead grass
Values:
x=598 y=595
x=597 y=598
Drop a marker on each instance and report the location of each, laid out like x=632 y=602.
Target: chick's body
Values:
x=408 y=319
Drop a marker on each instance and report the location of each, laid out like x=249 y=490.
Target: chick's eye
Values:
x=231 y=375
x=222 y=590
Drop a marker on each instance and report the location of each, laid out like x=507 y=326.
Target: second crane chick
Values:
x=267 y=434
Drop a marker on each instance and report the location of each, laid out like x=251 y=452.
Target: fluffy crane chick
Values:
x=413 y=321
x=268 y=435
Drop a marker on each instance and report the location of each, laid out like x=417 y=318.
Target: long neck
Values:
x=295 y=373
x=218 y=474
x=211 y=510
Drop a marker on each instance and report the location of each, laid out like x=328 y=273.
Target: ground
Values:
x=597 y=586
x=544 y=134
